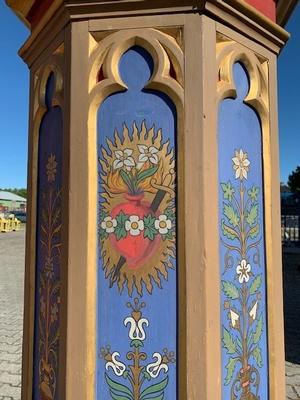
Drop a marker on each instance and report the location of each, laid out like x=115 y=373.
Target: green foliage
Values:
x=169 y=212
x=149 y=231
x=228 y=190
x=257 y=355
x=253 y=233
x=127 y=178
x=253 y=193
x=259 y=329
x=155 y=390
x=294 y=180
x=120 y=230
x=118 y=389
x=256 y=284
x=136 y=343
x=228 y=342
x=230 y=290
x=146 y=174
x=252 y=215
x=230 y=367
x=231 y=215
x=228 y=232
x=169 y=235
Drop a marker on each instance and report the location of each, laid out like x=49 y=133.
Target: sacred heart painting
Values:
x=137 y=211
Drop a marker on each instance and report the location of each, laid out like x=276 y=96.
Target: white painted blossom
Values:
x=243 y=270
x=234 y=318
x=156 y=367
x=109 y=224
x=134 y=225
x=124 y=159
x=241 y=165
x=117 y=366
x=163 y=224
x=253 y=311
x=147 y=154
x=136 y=330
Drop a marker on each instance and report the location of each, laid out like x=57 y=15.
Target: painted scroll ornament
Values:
x=137 y=208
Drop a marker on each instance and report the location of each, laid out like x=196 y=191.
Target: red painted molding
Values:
x=37 y=11
x=266 y=7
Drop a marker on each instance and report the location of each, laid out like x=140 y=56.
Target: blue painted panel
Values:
x=242 y=248
x=48 y=251
x=137 y=280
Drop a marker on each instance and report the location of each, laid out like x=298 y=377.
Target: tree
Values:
x=20 y=192
x=294 y=180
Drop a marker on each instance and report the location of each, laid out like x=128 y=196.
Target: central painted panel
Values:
x=137 y=279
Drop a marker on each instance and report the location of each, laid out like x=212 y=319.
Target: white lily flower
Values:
x=156 y=367
x=241 y=164
x=234 y=318
x=136 y=330
x=243 y=270
x=117 y=366
x=109 y=224
x=163 y=224
x=147 y=154
x=124 y=159
x=135 y=225
x=253 y=311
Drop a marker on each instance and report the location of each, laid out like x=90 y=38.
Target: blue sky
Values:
x=14 y=78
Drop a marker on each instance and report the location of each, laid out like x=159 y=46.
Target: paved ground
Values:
x=11 y=313
x=11 y=310
x=291 y=278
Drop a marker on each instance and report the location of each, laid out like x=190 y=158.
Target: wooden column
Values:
x=153 y=253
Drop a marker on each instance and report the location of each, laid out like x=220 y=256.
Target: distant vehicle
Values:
x=20 y=215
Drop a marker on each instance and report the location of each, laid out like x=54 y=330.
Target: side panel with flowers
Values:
x=48 y=251
x=242 y=249
x=137 y=288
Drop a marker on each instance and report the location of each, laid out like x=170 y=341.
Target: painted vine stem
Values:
x=241 y=236
x=49 y=290
x=137 y=372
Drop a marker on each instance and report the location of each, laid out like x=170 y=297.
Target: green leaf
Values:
x=169 y=235
x=230 y=290
x=258 y=357
x=149 y=232
x=228 y=190
x=155 y=389
x=228 y=342
x=256 y=284
x=228 y=232
x=170 y=213
x=146 y=173
x=118 y=387
x=253 y=233
x=159 y=397
x=230 y=369
x=120 y=230
x=116 y=396
x=102 y=214
x=127 y=180
x=253 y=193
x=103 y=234
x=252 y=215
x=231 y=215
x=136 y=343
x=259 y=329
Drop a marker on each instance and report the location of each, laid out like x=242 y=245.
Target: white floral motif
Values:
x=117 y=366
x=241 y=165
x=253 y=311
x=136 y=330
x=124 y=159
x=147 y=154
x=134 y=226
x=234 y=318
x=154 y=368
x=243 y=270
x=109 y=224
x=163 y=224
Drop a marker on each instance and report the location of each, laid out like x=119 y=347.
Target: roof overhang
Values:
x=285 y=9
